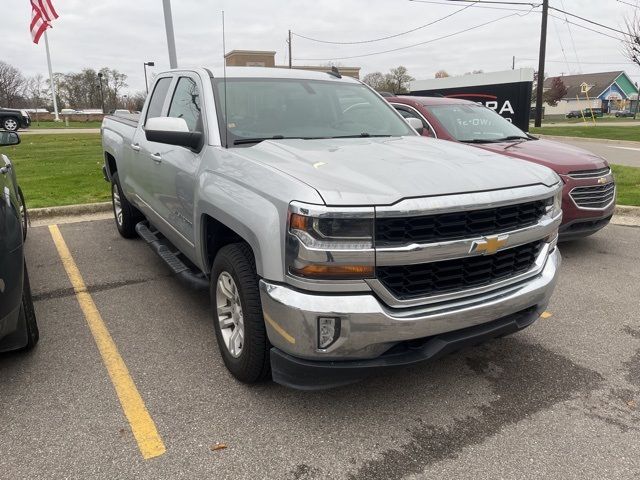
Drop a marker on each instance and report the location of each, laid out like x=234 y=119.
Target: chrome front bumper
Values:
x=369 y=328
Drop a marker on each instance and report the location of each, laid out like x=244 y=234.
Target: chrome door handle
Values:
x=156 y=157
x=135 y=147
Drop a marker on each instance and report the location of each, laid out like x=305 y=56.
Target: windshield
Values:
x=265 y=108
x=475 y=123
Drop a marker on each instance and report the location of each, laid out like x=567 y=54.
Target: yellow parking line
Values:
x=142 y=425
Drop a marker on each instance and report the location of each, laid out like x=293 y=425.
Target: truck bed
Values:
x=130 y=119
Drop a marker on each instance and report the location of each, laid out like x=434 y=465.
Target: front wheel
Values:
x=126 y=215
x=237 y=314
x=10 y=124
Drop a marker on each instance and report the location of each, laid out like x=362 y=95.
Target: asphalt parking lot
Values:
x=558 y=400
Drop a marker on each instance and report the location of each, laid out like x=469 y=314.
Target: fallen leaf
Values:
x=218 y=446
x=632 y=404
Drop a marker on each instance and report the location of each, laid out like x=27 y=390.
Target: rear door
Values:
x=178 y=167
x=144 y=161
x=11 y=255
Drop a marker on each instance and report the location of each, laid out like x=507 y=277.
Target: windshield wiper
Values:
x=511 y=137
x=242 y=141
x=361 y=135
x=477 y=140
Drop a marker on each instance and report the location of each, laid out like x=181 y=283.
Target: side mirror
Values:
x=416 y=123
x=173 y=131
x=9 y=138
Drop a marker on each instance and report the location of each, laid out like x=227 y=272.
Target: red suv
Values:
x=589 y=189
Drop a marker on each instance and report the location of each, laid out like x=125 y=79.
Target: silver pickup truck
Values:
x=333 y=239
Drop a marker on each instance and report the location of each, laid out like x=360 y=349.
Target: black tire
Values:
x=28 y=314
x=126 y=224
x=10 y=124
x=24 y=214
x=252 y=364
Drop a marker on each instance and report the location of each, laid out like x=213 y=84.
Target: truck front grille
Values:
x=600 y=172
x=411 y=281
x=596 y=196
x=395 y=231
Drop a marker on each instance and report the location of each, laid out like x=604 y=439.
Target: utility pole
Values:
x=541 y=57
x=513 y=63
x=289 y=42
x=171 y=41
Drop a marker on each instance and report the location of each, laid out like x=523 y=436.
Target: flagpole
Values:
x=53 y=85
x=171 y=41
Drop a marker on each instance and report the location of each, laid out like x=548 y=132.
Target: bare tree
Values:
x=37 y=91
x=555 y=93
x=12 y=84
x=399 y=78
x=632 y=41
x=375 y=80
x=442 y=74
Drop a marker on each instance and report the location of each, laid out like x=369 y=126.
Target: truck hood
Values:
x=382 y=171
x=560 y=157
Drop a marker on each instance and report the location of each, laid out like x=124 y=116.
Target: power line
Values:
x=590 y=21
x=587 y=28
x=388 y=36
x=415 y=44
x=564 y=54
x=630 y=4
x=585 y=63
x=532 y=5
x=573 y=43
x=449 y=4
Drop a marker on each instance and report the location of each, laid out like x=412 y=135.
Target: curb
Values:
x=69 y=210
x=629 y=143
x=88 y=208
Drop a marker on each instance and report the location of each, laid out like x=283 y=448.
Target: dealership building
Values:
x=610 y=91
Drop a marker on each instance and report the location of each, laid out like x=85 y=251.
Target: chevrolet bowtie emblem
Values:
x=489 y=245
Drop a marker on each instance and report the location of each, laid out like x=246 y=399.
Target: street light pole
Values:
x=147 y=64
x=543 y=50
x=635 y=113
x=101 y=94
x=171 y=41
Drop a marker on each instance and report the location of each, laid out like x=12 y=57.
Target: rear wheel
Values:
x=237 y=311
x=10 y=124
x=126 y=215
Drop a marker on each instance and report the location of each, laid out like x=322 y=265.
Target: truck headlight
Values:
x=327 y=243
x=554 y=204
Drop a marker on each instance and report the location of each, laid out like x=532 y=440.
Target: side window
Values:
x=186 y=103
x=157 y=98
x=409 y=113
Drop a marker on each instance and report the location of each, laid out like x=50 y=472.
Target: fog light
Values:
x=328 y=331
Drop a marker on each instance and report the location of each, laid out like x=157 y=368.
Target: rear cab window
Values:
x=157 y=98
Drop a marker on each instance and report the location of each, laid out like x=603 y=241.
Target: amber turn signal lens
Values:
x=298 y=222
x=333 y=272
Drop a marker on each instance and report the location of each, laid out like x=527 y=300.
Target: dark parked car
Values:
x=624 y=113
x=12 y=119
x=597 y=112
x=574 y=114
x=588 y=194
x=18 y=327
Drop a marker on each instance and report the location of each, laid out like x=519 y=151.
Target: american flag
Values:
x=42 y=14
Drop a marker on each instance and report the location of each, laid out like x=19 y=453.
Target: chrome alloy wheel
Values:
x=117 y=204
x=10 y=124
x=230 y=316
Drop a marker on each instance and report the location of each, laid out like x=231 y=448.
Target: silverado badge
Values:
x=489 y=245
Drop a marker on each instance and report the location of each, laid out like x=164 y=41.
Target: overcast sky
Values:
x=124 y=34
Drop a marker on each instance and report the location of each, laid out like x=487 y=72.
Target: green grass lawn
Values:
x=628 y=184
x=605 y=132
x=39 y=125
x=67 y=169
x=563 y=120
x=59 y=169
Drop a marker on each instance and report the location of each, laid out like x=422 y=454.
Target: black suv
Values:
x=12 y=119
x=18 y=327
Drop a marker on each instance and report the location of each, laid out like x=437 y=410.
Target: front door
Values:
x=177 y=172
